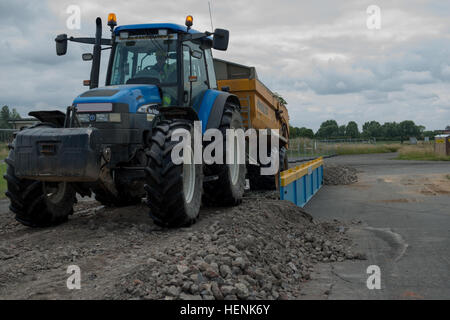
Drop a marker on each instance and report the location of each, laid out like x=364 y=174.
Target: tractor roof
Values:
x=170 y=26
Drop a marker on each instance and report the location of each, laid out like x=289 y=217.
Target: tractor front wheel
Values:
x=174 y=191
x=36 y=203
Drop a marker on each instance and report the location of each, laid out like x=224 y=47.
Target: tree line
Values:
x=395 y=131
x=5 y=115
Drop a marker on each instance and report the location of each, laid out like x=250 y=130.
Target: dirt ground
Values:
x=263 y=249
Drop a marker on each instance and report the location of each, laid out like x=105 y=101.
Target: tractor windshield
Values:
x=147 y=61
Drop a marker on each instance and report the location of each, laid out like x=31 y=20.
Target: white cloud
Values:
x=318 y=54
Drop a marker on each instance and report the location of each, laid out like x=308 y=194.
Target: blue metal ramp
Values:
x=301 y=183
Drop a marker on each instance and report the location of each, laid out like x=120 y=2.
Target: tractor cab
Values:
x=175 y=59
x=163 y=55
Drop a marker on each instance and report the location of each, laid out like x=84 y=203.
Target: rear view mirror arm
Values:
x=105 y=42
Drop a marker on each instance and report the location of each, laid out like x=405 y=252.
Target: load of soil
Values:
x=339 y=175
x=262 y=249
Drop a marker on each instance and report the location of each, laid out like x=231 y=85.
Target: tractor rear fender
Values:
x=213 y=104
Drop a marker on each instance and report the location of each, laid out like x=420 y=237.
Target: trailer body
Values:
x=260 y=107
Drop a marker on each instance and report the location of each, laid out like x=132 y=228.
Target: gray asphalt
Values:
x=404 y=209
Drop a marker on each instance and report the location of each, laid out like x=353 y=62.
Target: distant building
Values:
x=23 y=123
x=442 y=144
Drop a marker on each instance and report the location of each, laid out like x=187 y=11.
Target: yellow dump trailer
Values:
x=260 y=109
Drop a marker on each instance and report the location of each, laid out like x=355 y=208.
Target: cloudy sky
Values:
x=319 y=55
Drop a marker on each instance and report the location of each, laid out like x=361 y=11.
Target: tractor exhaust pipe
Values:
x=95 y=69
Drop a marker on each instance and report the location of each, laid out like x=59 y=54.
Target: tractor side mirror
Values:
x=61 y=44
x=87 y=56
x=220 y=39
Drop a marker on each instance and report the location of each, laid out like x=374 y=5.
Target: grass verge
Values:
x=346 y=149
x=423 y=152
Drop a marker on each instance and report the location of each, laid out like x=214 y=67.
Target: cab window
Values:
x=195 y=73
x=210 y=66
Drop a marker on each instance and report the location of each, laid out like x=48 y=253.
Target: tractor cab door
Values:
x=195 y=76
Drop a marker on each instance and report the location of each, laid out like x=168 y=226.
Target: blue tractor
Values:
x=115 y=141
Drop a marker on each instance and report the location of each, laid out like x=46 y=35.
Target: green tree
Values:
x=408 y=129
x=352 y=130
x=372 y=129
x=328 y=129
x=341 y=131
x=295 y=132
x=390 y=130
x=429 y=134
x=6 y=115
x=306 y=133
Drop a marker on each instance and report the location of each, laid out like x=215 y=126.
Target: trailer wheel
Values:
x=174 y=191
x=228 y=189
x=267 y=182
x=37 y=204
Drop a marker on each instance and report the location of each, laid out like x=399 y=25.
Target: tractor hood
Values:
x=134 y=95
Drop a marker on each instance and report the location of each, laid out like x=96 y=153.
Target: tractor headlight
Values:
x=83 y=117
x=102 y=117
x=149 y=108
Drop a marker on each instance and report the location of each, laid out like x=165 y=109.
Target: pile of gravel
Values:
x=261 y=250
x=339 y=174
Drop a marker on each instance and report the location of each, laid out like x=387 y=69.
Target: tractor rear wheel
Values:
x=228 y=189
x=36 y=203
x=174 y=191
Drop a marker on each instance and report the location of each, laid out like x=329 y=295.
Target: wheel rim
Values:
x=54 y=191
x=234 y=167
x=189 y=179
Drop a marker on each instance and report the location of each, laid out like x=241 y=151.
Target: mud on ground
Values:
x=262 y=249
